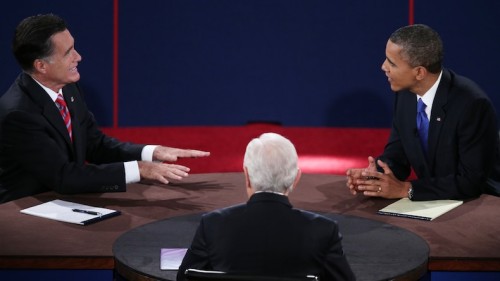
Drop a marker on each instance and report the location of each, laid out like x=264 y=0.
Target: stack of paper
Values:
x=171 y=258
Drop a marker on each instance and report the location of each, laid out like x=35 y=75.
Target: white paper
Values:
x=171 y=258
x=63 y=211
x=427 y=210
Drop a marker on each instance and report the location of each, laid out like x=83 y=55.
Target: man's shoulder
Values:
x=224 y=212
x=463 y=85
x=315 y=217
x=16 y=97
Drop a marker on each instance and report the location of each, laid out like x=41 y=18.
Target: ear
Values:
x=421 y=73
x=248 y=184
x=40 y=66
x=296 y=181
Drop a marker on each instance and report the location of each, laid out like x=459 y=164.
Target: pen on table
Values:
x=86 y=212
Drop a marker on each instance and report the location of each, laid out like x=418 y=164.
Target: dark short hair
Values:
x=32 y=39
x=421 y=46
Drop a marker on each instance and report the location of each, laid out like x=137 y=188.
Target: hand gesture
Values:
x=170 y=154
x=353 y=175
x=386 y=185
x=162 y=172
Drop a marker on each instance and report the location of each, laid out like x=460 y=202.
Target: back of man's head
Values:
x=272 y=163
x=32 y=39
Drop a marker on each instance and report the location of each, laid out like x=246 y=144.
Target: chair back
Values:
x=207 y=275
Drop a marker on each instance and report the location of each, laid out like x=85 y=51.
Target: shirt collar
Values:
x=428 y=97
x=50 y=92
x=274 y=192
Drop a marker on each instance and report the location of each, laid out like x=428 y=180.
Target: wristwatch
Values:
x=410 y=192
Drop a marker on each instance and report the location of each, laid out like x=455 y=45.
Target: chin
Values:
x=74 y=78
x=395 y=88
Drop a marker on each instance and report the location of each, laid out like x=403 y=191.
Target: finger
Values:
x=372 y=193
x=369 y=181
x=370 y=190
x=348 y=183
x=371 y=160
x=193 y=153
x=371 y=163
x=176 y=174
x=178 y=167
x=199 y=153
x=162 y=179
x=384 y=166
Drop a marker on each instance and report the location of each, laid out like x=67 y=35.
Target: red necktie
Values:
x=63 y=109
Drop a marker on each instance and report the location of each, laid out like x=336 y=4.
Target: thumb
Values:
x=384 y=166
x=371 y=164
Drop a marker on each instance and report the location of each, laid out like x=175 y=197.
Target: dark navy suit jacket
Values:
x=463 y=155
x=37 y=155
x=267 y=236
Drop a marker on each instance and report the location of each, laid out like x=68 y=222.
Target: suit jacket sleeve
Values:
x=393 y=154
x=197 y=254
x=336 y=266
x=40 y=155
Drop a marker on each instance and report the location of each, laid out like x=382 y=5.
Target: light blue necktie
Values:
x=422 y=124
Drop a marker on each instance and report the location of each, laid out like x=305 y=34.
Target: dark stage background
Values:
x=226 y=62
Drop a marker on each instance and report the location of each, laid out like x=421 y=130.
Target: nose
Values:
x=77 y=55
x=383 y=66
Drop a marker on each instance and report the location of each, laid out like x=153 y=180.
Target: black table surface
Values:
x=375 y=250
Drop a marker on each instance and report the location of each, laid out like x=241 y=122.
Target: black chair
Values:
x=206 y=275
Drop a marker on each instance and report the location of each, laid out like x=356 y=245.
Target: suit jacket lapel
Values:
x=49 y=109
x=411 y=109
x=409 y=132
x=71 y=98
x=438 y=114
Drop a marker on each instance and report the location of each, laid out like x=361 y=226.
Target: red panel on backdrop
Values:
x=321 y=150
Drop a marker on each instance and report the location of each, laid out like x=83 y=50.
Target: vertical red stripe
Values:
x=115 y=63
x=411 y=12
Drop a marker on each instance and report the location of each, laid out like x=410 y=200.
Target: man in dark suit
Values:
x=444 y=128
x=267 y=236
x=45 y=147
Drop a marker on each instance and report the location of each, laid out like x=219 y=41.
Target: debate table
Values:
x=464 y=239
x=375 y=250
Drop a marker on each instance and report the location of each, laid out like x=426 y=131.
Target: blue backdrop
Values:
x=226 y=62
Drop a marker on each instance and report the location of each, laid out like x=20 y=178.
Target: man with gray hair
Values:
x=266 y=235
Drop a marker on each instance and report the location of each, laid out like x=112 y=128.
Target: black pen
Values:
x=86 y=212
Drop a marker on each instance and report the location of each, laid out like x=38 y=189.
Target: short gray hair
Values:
x=272 y=163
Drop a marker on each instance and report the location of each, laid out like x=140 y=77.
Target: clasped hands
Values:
x=372 y=183
x=161 y=171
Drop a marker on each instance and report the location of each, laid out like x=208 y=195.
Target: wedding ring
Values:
x=379 y=189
